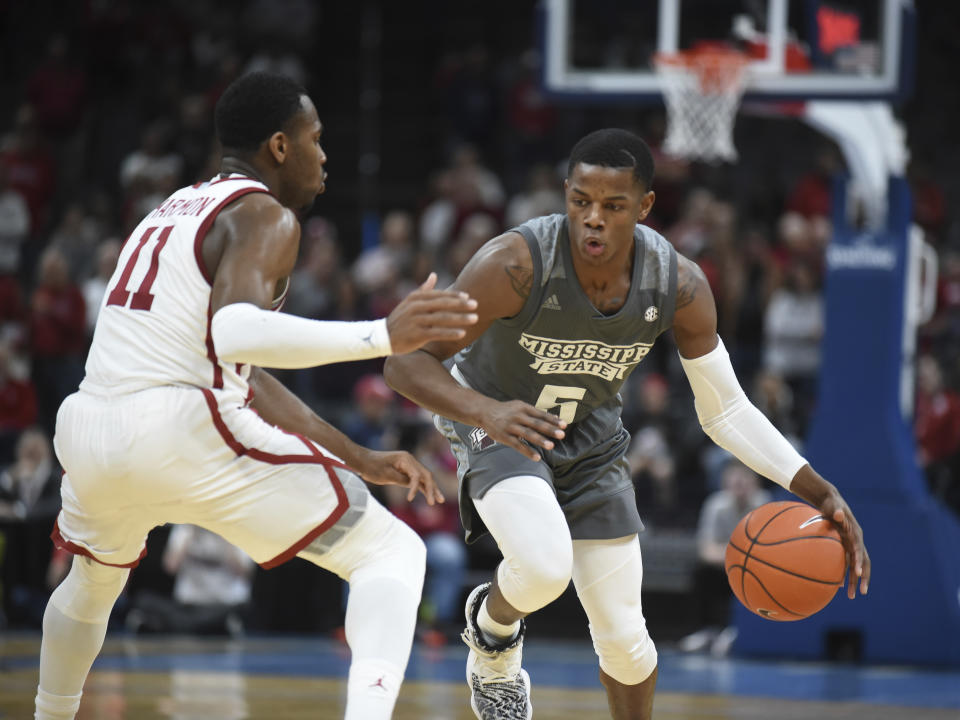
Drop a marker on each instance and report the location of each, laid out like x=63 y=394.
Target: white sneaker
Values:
x=499 y=687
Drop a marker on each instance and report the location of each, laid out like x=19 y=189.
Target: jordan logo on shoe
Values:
x=551 y=303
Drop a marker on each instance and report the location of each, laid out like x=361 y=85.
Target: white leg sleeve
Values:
x=384 y=561
x=607 y=575
x=525 y=519
x=74 y=625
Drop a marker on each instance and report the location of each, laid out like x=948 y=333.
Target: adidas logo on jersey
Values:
x=551 y=303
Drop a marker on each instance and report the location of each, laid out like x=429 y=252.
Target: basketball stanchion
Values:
x=702 y=88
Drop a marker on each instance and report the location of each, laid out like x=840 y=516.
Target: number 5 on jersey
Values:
x=563 y=397
x=142 y=299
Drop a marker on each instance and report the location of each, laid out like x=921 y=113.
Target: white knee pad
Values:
x=628 y=656
x=378 y=546
x=608 y=575
x=525 y=519
x=90 y=590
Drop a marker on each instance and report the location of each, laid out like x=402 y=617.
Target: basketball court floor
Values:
x=300 y=678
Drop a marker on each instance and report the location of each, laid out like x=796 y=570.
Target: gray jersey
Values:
x=562 y=355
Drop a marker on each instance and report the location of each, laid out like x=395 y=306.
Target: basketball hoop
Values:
x=702 y=88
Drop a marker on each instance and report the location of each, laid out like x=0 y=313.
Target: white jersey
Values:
x=154 y=323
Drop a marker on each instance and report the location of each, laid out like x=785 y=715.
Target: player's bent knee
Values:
x=536 y=578
x=628 y=657
x=89 y=591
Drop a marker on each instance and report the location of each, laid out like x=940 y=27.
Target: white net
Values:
x=702 y=92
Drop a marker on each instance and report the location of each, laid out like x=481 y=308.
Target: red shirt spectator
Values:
x=937 y=419
x=30 y=167
x=18 y=399
x=57 y=311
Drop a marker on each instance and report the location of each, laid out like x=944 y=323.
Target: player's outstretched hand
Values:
x=522 y=427
x=858 y=561
x=427 y=314
x=398 y=468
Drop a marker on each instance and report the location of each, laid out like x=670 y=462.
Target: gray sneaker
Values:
x=499 y=687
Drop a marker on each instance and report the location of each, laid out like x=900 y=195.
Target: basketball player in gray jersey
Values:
x=568 y=305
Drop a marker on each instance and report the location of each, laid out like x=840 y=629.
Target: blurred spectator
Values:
x=18 y=402
x=95 y=286
x=368 y=422
x=380 y=270
x=14 y=224
x=30 y=166
x=31 y=485
x=77 y=237
x=747 y=282
x=811 y=195
x=719 y=516
x=439 y=526
x=542 y=196
x=29 y=503
x=467 y=85
x=211 y=590
x=937 y=429
x=474 y=232
x=466 y=189
x=194 y=137
x=532 y=120
x=314 y=283
x=689 y=234
x=151 y=172
x=12 y=311
x=929 y=203
x=793 y=328
x=57 y=332
x=663 y=454
x=58 y=89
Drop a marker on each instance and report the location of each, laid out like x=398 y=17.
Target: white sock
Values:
x=381 y=616
x=372 y=690
x=56 y=707
x=493 y=632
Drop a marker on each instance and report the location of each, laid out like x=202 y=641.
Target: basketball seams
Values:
x=794 y=539
x=783 y=570
x=746 y=531
x=743 y=578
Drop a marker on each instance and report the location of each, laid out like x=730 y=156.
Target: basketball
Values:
x=785 y=561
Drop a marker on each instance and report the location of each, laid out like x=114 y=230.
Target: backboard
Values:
x=799 y=49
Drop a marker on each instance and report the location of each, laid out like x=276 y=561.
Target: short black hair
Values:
x=254 y=107
x=614 y=148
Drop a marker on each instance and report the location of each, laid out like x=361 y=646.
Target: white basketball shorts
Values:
x=191 y=455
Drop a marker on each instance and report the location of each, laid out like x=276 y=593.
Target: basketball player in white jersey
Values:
x=176 y=422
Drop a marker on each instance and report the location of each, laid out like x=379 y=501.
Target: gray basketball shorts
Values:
x=594 y=488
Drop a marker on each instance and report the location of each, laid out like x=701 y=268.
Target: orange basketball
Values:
x=785 y=561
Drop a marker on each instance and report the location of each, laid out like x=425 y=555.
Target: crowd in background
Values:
x=104 y=121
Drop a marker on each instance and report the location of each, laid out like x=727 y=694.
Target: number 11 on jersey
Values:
x=563 y=397
x=142 y=299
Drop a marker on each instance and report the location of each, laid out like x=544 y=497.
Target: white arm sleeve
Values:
x=244 y=333
x=732 y=421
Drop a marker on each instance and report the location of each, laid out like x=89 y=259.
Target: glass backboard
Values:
x=798 y=49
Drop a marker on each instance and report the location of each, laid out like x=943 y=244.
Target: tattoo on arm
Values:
x=521 y=279
x=687 y=282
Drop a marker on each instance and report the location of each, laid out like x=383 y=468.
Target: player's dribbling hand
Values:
x=426 y=315
x=519 y=425
x=858 y=561
x=398 y=468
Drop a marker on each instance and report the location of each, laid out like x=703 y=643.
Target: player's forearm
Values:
x=244 y=333
x=734 y=423
x=280 y=407
x=423 y=379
